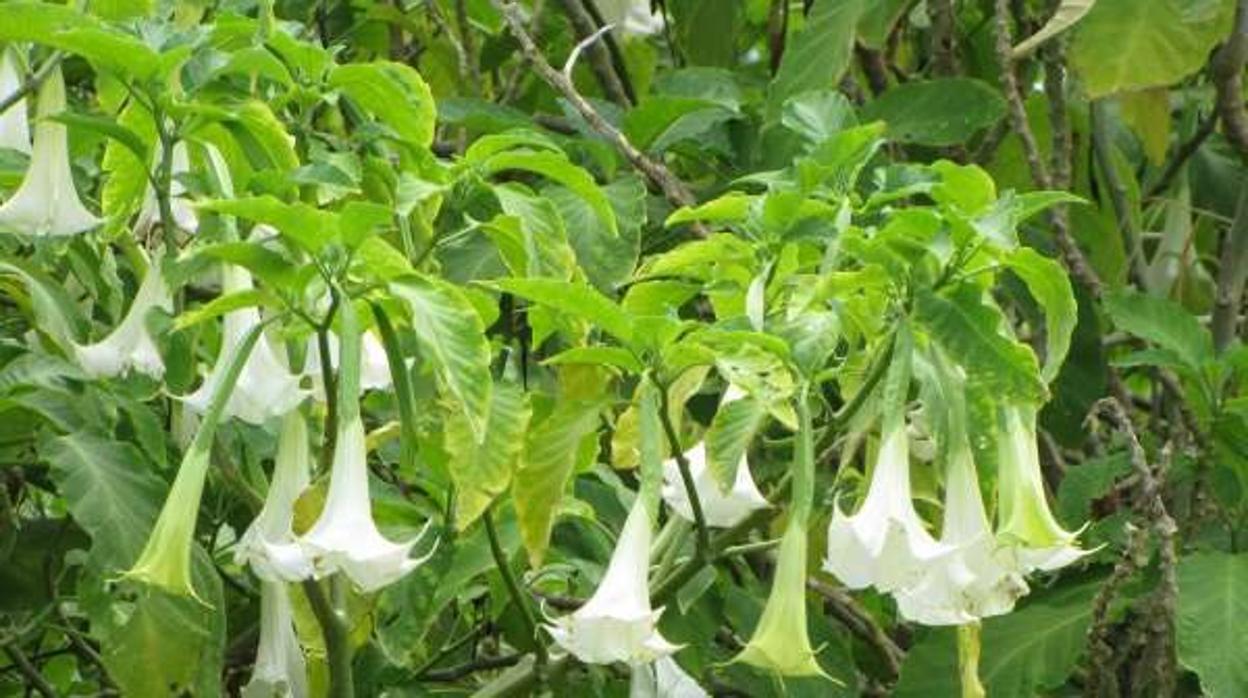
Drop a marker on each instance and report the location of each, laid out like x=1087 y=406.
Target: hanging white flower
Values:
x=885 y=544
x=266 y=387
x=719 y=508
x=663 y=678
x=374 y=366
x=269 y=544
x=617 y=624
x=345 y=537
x=14 y=129
x=130 y=346
x=280 y=670
x=47 y=202
x=976 y=579
x=1024 y=520
x=184 y=215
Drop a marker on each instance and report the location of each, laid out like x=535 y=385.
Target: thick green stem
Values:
x=336 y=632
x=517 y=594
x=968 y=660
x=686 y=476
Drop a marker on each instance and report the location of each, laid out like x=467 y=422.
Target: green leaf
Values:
x=1127 y=45
x=597 y=356
x=731 y=207
x=732 y=429
x=556 y=167
x=877 y=21
x=818 y=115
x=221 y=305
x=121 y=9
x=818 y=56
x=482 y=471
x=111 y=492
x=577 y=300
x=395 y=93
x=63 y=28
x=1048 y=283
x=552 y=451
x=451 y=335
x=49 y=307
x=106 y=126
x=1063 y=18
x=127 y=173
x=306 y=225
x=607 y=259
x=1162 y=322
x=968 y=330
x=265 y=264
x=947 y=111
x=1213 y=621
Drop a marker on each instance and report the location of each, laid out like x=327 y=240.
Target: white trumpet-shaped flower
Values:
x=14 y=128
x=183 y=211
x=663 y=678
x=266 y=388
x=780 y=643
x=280 y=670
x=885 y=544
x=374 y=366
x=130 y=346
x=977 y=578
x=617 y=624
x=269 y=544
x=719 y=508
x=1024 y=521
x=47 y=202
x=345 y=537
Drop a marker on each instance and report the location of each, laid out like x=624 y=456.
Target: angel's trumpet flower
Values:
x=130 y=346
x=780 y=643
x=1024 y=521
x=266 y=388
x=976 y=579
x=280 y=670
x=345 y=537
x=47 y=202
x=663 y=678
x=374 y=366
x=166 y=558
x=719 y=508
x=269 y=544
x=617 y=624
x=183 y=211
x=885 y=544
x=14 y=129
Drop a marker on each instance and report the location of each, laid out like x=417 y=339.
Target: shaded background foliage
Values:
x=1136 y=108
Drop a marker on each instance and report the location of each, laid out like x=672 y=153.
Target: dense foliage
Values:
x=616 y=347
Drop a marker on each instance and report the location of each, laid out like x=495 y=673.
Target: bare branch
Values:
x=1228 y=71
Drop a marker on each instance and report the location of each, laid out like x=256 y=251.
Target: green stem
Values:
x=686 y=476
x=518 y=596
x=32 y=83
x=968 y=660
x=336 y=633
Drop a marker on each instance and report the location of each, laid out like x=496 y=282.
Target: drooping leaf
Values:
x=816 y=57
x=1163 y=323
x=482 y=471
x=1048 y=283
x=575 y=299
x=946 y=111
x=451 y=335
x=395 y=93
x=732 y=429
x=557 y=167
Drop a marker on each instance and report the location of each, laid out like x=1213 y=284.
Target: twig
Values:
x=1227 y=68
x=613 y=46
x=569 y=64
x=874 y=67
x=777 y=33
x=1102 y=150
x=599 y=57
x=459 y=671
x=686 y=475
x=1182 y=155
x=35 y=679
x=943 y=47
x=840 y=604
x=1232 y=276
x=658 y=174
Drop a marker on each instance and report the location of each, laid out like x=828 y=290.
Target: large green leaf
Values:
x=1025 y=652
x=1163 y=323
x=556 y=167
x=732 y=429
x=306 y=225
x=482 y=471
x=451 y=335
x=552 y=450
x=818 y=55
x=1213 y=621
x=61 y=27
x=1047 y=281
x=1126 y=45
x=606 y=259
x=968 y=330
x=395 y=93
x=947 y=111
x=576 y=299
